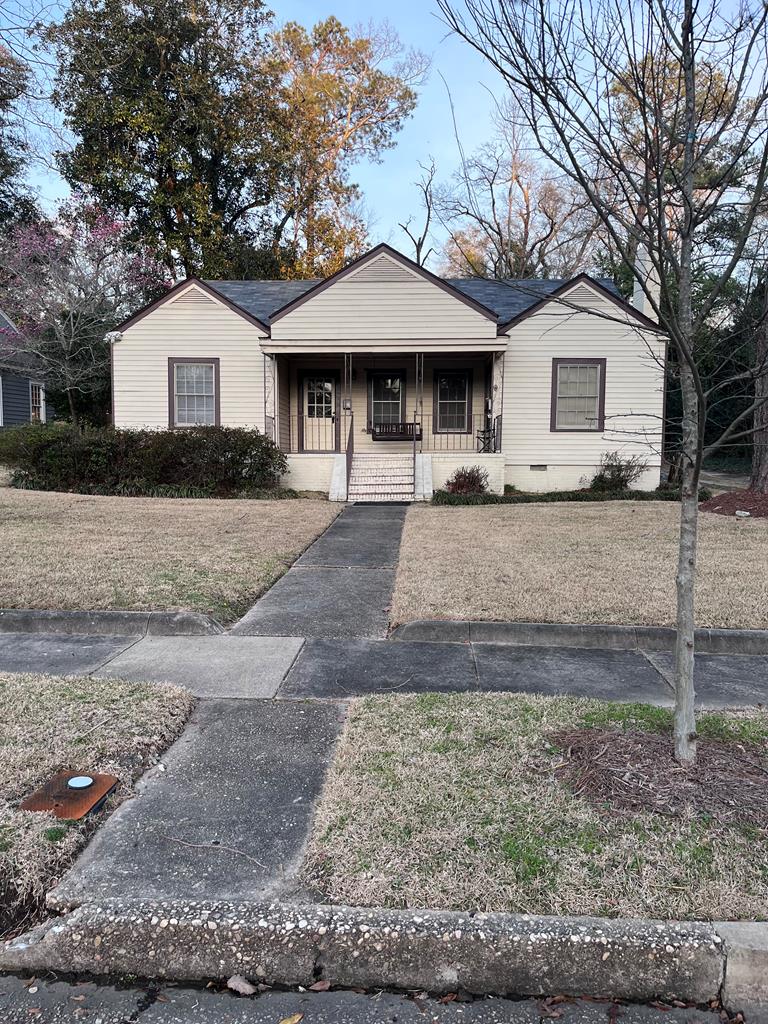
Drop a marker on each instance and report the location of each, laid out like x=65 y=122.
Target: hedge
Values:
x=194 y=462
x=527 y=497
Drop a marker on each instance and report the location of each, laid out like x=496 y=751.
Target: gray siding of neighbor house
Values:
x=15 y=400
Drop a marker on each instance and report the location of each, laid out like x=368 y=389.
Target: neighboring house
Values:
x=381 y=380
x=22 y=397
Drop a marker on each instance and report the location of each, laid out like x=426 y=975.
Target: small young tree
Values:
x=658 y=112
x=65 y=284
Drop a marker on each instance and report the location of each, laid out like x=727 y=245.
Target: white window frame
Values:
x=37 y=384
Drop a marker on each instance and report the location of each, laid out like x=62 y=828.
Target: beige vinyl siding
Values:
x=633 y=388
x=383 y=302
x=189 y=326
x=283 y=403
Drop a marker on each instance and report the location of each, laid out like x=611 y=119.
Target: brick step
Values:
x=372 y=477
x=382 y=486
x=383 y=496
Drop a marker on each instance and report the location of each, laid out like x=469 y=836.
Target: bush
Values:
x=468 y=480
x=525 y=497
x=195 y=462
x=617 y=472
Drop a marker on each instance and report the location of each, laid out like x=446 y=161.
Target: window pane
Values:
x=386 y=398
x=319 y=391
x=452 y=392
x=195 y=398
x=578 y=396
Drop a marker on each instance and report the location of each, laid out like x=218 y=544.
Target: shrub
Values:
x=617 y=472
x=195 y=462
x=525 y=497
x=468 y=480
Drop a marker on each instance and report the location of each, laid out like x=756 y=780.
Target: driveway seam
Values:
x=664 y=676
x=117 y=654
x=276 y=694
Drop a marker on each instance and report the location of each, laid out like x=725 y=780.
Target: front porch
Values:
x=369 y=424
x=387 y=405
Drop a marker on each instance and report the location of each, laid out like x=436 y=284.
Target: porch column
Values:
x=497 y=398
x=270 y=397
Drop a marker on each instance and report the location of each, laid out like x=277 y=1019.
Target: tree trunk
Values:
x=685 y=719
x=759 y=479
x=72 y=409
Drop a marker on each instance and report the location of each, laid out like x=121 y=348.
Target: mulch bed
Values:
x=730 y=502
x=636 y=771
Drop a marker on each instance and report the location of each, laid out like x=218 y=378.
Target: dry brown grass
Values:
x=611 y=562
x=452 y=801
x=77 y=551
x=50 y=724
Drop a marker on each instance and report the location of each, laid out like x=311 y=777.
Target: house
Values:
x=22 y=396
x=381 y=380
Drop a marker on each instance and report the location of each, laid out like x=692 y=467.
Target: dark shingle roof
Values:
x=507 y=299
x=261 y=298
x=510 y=298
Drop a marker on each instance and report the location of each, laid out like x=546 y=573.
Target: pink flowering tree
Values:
x=66 y=284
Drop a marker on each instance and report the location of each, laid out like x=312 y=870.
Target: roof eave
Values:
x=617 y=300
x=180 y=286
x=479 y=307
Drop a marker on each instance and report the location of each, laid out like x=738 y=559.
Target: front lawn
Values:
x=50 y=724
x=543 y=805
x=610 y=563
x=81 y=552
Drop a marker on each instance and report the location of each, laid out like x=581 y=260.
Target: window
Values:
x=578 y=394
x=193 y=392
x=36 y=403
x=453 y=402
x=319 y=397
x=387 y=396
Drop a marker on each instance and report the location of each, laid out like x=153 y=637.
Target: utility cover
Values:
x=58 y=796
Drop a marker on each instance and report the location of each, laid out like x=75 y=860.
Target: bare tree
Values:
x=425 y=185
x=696 y=78
x=510 y=215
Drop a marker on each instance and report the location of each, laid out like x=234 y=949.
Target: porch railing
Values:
x=465 y=434
x=427 y=433
x=350 y=424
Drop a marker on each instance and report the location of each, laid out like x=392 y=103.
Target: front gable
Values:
x=384 y=300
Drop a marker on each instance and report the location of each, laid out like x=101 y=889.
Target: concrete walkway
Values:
x=287 y=667
x=50 y=1001
x=224 y=816
x=341 y=586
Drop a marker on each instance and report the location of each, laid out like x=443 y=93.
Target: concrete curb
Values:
x=493 y=954
x=107 y=623
x=566 y=634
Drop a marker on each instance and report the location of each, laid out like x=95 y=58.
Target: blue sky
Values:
x=388 y=188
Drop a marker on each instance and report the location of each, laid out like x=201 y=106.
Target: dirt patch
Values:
x=635 y=772
x=731 y=502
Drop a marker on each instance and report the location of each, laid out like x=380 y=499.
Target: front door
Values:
x=318 y=420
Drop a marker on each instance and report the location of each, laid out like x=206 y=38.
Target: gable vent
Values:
x=582 y=296
x=382 y=269
x=194 y=297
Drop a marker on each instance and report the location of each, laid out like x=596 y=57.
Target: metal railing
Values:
x=466 y=434
x=314 y=433
x=350 y=423
x=426 y=433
